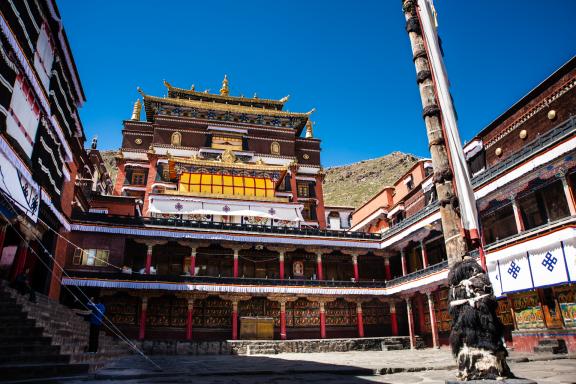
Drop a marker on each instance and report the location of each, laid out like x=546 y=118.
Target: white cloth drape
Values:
x=468 y=211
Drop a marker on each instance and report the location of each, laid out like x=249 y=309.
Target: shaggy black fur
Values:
x=477 y=325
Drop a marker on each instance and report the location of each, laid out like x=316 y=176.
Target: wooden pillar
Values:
x=360 y=319
x=403 y=259
x=234 y=320
x=320 y=213
x=387 y=271
x=149 y=258
x=192 y=261
x=319 y=271
x=517 y=214
x=189 y=319
x=20 y=259
x=421 y=314
x=355 y=264
x=569 y=193
x=410 y=316
x=424 y=254
x=283 y=320
x=456 y=246
x=3 y=228
x=393 y=318
x=143 y=311
x=293 y=186
x=281 y=262
x=322 y=320
x=433 y=325
x=236 y=251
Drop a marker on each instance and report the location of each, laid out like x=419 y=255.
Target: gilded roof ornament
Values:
x=285 y=99
x=193 y=87
x=136 y=110
x=309 y=129
x=228 y=157
x=167 y=84
x=140 y=91
x=255 y=95
x=311 y=111
x=225 y=91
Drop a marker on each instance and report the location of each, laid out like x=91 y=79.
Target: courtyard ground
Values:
x=406 y=366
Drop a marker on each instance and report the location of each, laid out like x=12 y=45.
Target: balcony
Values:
x=418 y=274
x=251 y=282
x=209 y=225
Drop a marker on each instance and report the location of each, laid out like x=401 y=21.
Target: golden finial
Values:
x=140 y=91
x=207 y=90
x=136 y=110
x=225 y=91
x=193 y=87
x=309 y=125
x=285 y=99
x=255 y=95
x=151 y=150
x=311 y=111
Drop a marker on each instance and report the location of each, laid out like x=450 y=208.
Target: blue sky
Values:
x=350 y=60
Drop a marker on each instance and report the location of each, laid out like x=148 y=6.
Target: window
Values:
x=166 y=174
x=176 y=139
x=138 y=178
x=230 y=185
x=91 y=257
x=303 y=190
x=224 y=142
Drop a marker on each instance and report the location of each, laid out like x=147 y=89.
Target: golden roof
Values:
x=226 y=97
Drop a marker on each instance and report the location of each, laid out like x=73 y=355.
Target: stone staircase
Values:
x=553 y=346
x=46 y=339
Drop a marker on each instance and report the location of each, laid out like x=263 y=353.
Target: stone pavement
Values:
x=405 y=366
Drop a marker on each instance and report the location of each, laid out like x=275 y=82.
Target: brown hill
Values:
x=353 y=184
x=347 y=185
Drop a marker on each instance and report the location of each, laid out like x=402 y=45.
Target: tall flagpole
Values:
x=454 y=236
x=477 y=333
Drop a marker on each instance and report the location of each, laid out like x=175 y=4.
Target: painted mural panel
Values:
x=566 y=298
x=528 y=311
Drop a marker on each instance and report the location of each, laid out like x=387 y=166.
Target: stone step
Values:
x=24 y=339
x=20 y=331
x=550 y=342
x=31 y=371
x=34 y=359
x=262 y=351
x=27 y=349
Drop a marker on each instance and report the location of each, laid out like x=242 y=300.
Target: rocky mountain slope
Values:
x=353 y=184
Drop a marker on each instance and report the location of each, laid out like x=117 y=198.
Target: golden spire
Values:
x=136 y=110
x=309 y=133
x=225 y=91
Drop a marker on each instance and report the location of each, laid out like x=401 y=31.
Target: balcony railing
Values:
x=209 y=225
x=421 y=273
x=410 y=220
x=225 y=280
x=561 y=131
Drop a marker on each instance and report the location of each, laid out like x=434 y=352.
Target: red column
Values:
x=149 y=258
x=424 y=254
x=149 y=181
x=393 y=318
x=2 y=237
x=281 y=262
x=322 y=321
x=355 y=263
x=421 y=313
x=517 y=215
x=20 y=260
x=282 y=320
x=293 y=171
x=403 y=259
x=236 y=262
x=569 y=195
x=234 y=320
x=143 y=310
x=433 y=324
x=320 y=213
x=360 y=320
x=193 y=262
x=120 y=177
x=387 y=271
x=410 y=323
x=189 y=319
x=320 y=273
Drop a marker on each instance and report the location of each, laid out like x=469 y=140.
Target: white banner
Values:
x=539 y=262
x=469 y=215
